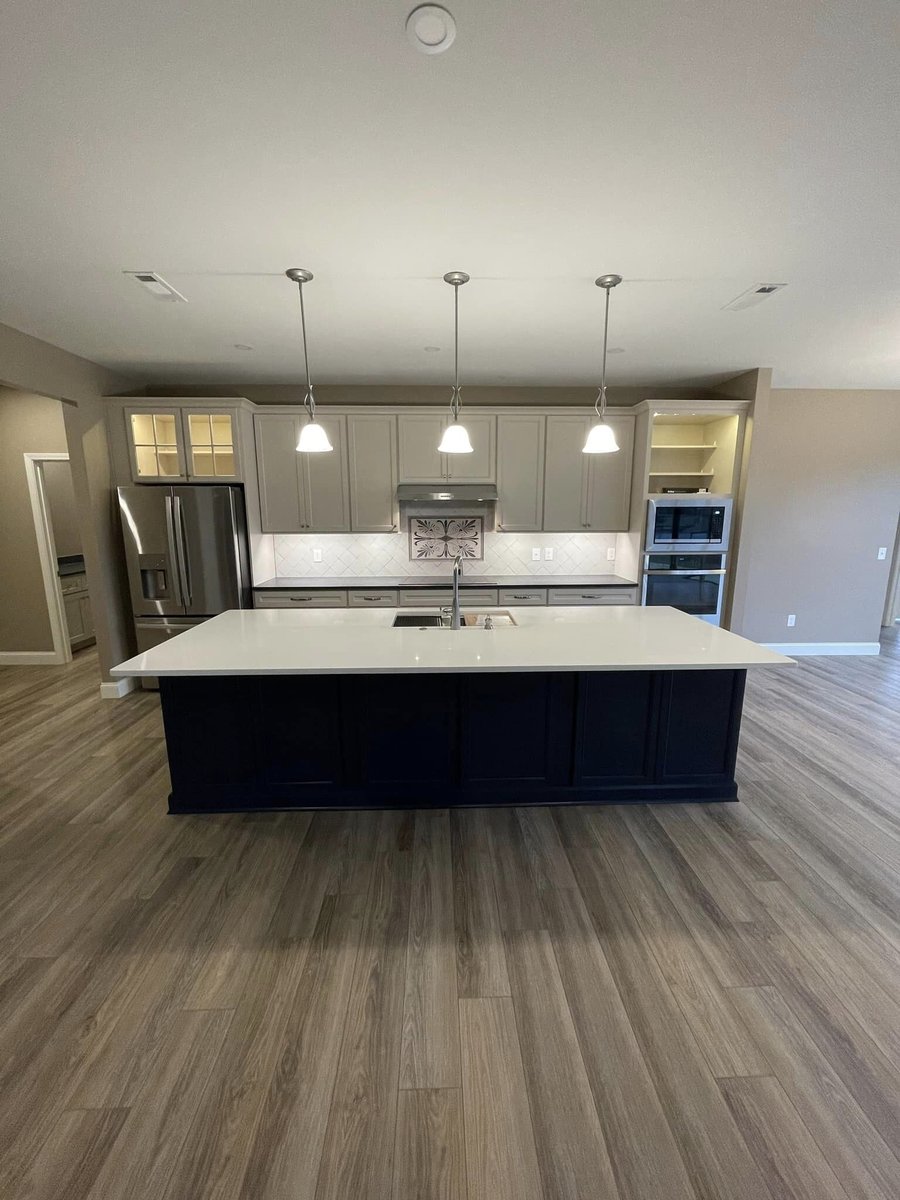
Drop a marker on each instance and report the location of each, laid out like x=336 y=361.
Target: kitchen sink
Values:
x=470 y=620
x=417 y=621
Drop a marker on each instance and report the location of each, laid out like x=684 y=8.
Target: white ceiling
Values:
x=697 y=148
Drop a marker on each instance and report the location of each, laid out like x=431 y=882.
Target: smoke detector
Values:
x=753 y=295
x=431 y=28
x=157 y=286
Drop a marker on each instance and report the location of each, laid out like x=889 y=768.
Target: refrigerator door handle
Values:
x=173 y=548
x=183 y=565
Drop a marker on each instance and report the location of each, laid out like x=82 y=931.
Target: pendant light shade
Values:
x=455 y=440
x=600 y=438
x=456 y=436
x=313 y=438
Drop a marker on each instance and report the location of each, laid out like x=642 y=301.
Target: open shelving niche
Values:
x=696 y=447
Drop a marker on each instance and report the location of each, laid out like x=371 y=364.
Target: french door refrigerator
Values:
x=187 y=557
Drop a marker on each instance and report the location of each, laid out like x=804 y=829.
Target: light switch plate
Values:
x=535 y=554
x=882 y=553
x=317 y=554
x=792 y=620
x=548 y=554
x=611 y=554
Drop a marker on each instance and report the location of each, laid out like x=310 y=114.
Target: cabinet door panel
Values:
x=155 y=444
x=609 y=480
x=325 y=479
x=419 y=437
x=281 y=506
x=211 y=444
x=372 y=460
x=520 y=472
x=481 y=465
x=565 y=474
x=74 y=616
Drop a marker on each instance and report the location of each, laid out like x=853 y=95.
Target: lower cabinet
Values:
x=483 y=738
x=79 y=618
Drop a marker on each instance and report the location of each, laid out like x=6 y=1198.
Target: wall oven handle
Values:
x=174 y=560
x=183 y=564
x=693 y=571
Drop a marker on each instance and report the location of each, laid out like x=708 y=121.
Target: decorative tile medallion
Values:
x=445 y=537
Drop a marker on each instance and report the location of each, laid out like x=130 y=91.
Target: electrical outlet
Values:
x=882 y=553
x=548 y=554
x=611 y=554
x=792 y=620
x=535 y=554
x=317 y=555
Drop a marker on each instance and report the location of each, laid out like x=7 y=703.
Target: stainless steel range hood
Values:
x=447 y=493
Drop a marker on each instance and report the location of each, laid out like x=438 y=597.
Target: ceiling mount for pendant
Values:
x=456 y=436
x=313 y=438
x=601 y=439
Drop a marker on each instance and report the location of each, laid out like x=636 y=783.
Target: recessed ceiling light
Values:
x=616 y=350
x=431 y=349
x=753 y=295
x=431 y=28
x=243 y=346
x=157 y=286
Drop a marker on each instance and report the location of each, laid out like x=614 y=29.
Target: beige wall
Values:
x=29 y=424
x=60 y=495
x=28 y=364
x=823 y=494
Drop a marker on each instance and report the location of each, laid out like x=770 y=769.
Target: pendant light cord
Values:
x=600 y=402
x=454 y=400
x=310 y=403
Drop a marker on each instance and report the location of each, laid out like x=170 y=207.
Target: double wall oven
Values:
x=685 y=554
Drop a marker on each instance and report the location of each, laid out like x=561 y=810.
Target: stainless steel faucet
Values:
x=457 y=572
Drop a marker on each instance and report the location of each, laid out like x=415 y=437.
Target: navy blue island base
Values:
x=244 y=743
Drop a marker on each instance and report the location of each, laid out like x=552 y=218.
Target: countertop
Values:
x=444 y=580
x=362 y=642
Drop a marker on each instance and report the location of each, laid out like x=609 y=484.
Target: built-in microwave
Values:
x=688 y=522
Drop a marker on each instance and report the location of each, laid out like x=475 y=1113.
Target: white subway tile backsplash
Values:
x=388 y=554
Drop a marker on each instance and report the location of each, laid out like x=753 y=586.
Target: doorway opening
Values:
x=54 y=512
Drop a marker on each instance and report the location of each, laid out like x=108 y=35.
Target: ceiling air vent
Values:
x=753 y=295
x=157 y=286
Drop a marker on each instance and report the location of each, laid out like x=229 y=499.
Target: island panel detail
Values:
x=250 y=742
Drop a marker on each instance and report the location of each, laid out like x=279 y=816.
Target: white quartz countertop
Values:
x=362 y=642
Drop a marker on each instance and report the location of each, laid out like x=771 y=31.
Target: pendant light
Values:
x=600 y=438
x=456 y=436
x=313 y=438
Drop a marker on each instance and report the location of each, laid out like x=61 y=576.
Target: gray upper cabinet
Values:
x=301 y=493
x=481 y=465
x=608 y=500
x=520 y=472
x=419 y=436
x=565 y=479
x=324 y=477
x=278 y=462
x=586 y=491
x=372 y=461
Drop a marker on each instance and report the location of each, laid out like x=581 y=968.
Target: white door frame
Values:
x=892 y=599
x=43 y=528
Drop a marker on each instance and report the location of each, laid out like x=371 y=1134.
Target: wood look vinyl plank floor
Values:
x=693 y=1002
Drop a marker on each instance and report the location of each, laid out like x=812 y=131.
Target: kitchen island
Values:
x=279 y=709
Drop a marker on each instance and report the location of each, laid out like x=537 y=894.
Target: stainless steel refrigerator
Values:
x=187 y=556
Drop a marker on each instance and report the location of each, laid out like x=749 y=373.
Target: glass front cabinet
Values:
x=168 y=445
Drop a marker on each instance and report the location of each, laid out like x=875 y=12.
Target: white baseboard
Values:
x=29 y=658
x=801 y=649
x=118 y=689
